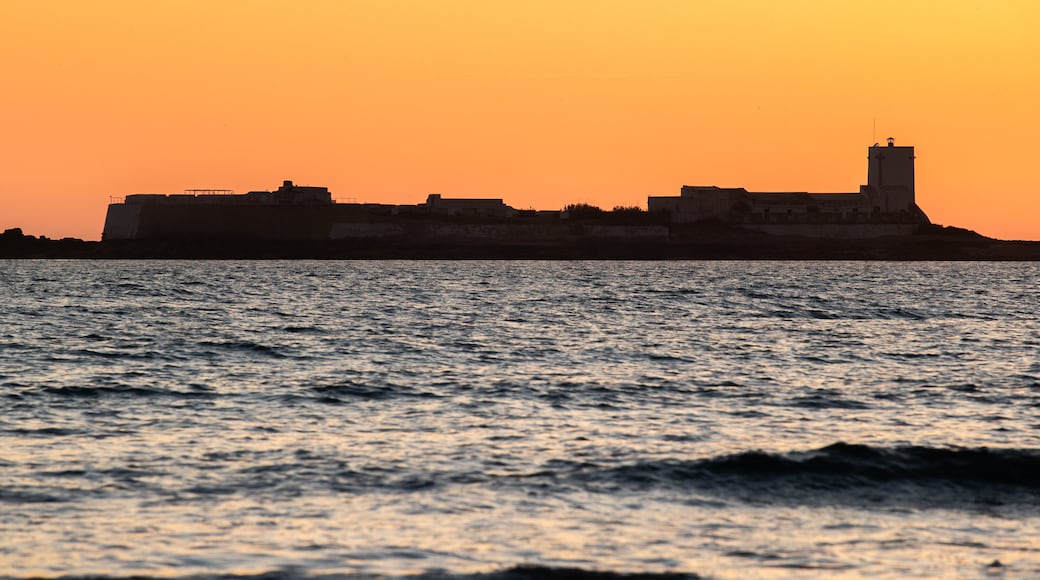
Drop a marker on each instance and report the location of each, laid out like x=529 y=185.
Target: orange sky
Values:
x=542 y=103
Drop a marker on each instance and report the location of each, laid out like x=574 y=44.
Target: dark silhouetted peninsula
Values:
x=689 y=242
x=881 y=221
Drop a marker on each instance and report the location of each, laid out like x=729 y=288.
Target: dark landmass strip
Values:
x=685 y=242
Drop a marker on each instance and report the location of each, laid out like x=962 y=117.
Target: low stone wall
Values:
x=349 y=222
x=641 y=233
x=515 y=233
x=834 y=231
x=365 y=231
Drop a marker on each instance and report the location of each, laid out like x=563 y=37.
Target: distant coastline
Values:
x=884 y=207
x=705 y=241
x=880 y=221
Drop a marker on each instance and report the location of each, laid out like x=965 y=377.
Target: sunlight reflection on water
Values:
x=172 y=418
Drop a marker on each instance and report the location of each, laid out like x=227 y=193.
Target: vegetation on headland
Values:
x=620 y=214
x=589 y=210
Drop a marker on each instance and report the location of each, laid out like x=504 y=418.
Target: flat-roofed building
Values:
x=492 y=207
x=888 y=197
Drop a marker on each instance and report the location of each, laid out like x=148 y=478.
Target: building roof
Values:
x=780 y=197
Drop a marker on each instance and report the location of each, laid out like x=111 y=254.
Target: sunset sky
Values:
x=542 y=103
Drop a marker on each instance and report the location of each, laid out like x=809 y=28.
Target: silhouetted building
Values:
x=287 y=194
x=285 y=213
x=291 y=212
x=885 y=206
x=890 y=177
x=887 y=198
x=467 y=206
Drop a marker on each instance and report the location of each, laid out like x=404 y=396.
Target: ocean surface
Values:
x=519 y=419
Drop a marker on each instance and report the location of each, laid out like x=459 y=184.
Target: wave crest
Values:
x=845 y=473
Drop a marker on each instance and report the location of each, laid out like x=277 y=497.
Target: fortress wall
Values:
x=345 y=222
x=121 y=222
x=434 y=230
x=834 y=231
x=641 y=233
x=260 y=222
x=365 y=231
x=500 y=233
x=479 y=232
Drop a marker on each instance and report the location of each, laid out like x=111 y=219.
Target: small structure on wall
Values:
x=485 y=207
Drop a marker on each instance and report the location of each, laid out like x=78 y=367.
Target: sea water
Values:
x=461 y=418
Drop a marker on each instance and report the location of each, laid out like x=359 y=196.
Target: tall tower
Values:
x=890 y=177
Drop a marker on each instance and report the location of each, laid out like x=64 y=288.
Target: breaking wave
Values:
x=839 y=474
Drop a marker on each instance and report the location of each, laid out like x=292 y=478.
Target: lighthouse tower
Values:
x=890 y=177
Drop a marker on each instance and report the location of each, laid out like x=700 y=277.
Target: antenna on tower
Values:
x=873 y=134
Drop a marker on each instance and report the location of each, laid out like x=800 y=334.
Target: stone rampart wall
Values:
x=834 y=231
x=346 y=222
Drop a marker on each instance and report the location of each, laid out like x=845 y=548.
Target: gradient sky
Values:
x=542 y=103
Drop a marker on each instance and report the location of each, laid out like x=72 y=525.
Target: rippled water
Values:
x=727 y=419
